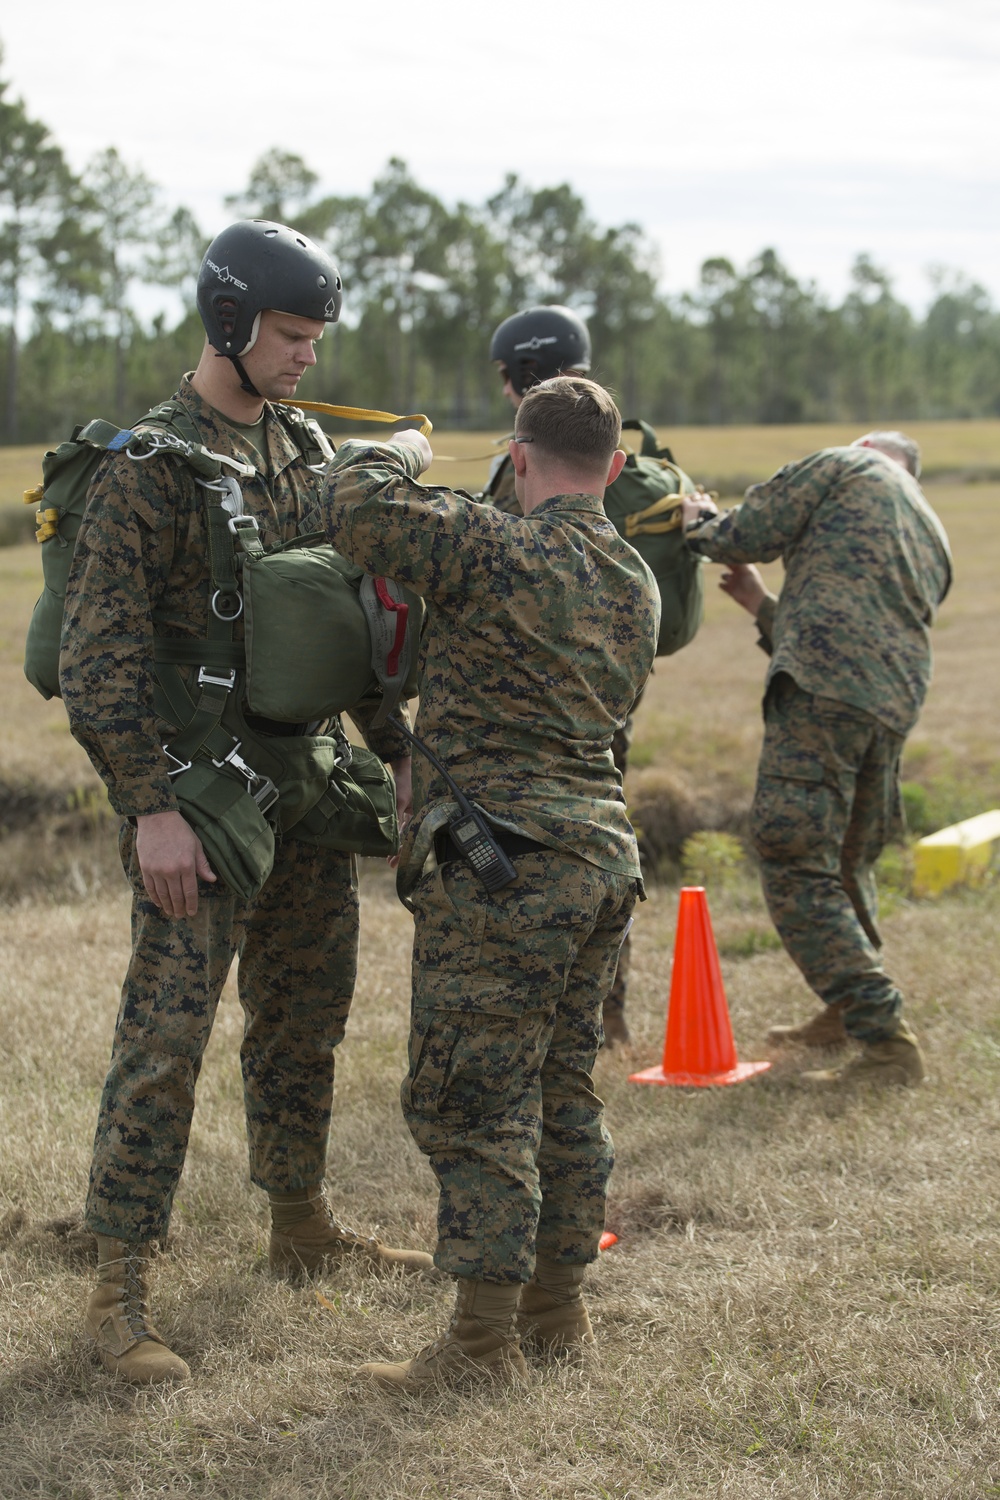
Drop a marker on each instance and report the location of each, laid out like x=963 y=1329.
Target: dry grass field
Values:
x=805 y=1296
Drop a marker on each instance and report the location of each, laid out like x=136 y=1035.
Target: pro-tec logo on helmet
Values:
x=225 y=275
x=330 y=310
x=534 y=343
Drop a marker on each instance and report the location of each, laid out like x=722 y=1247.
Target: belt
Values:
x=273 y=727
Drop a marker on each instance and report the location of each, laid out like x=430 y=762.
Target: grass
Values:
x=803 y=1301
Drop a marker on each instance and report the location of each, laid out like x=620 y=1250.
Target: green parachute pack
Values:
x=320 y=637
x=644 y=506
x=315 y=596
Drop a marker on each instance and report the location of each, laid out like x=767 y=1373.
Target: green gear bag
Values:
x=357 y=811
x=643 y=505
x=237 y=838
x=303 y=594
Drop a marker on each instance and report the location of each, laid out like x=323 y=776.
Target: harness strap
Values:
x=657 y=519
x=182 y=651
x=198 y=723
x=363 y=414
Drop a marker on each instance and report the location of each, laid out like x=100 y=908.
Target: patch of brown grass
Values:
x=802 y=1302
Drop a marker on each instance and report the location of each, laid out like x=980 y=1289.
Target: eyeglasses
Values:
x=523 y=439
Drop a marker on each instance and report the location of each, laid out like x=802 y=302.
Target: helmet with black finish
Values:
x=543 y=341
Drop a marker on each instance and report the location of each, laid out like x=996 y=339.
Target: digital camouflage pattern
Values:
x=142 y=563
x=540 y=633
x=297 y=944
x=506 y=1024
x=614 y=1001
x=826 y=804
x=500 y=492
x=866 y=566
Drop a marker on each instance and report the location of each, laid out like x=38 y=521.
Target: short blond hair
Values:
x=571 y=419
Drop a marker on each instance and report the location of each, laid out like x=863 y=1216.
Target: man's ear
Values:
x=518 y=457
x=617 y=464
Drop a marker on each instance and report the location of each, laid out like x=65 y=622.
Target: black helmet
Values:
x=540 y=343
x=255 y=265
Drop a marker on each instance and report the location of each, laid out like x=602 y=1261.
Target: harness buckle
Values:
x=261 y=788
x=266 y=795
x=238 y=524
x=179 y=765
x=210 y=679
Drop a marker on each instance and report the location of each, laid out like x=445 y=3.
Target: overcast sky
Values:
x=721 y=128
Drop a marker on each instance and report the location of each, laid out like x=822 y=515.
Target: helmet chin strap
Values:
x=245 y=380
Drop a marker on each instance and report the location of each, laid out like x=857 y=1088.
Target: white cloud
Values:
x=720 y=128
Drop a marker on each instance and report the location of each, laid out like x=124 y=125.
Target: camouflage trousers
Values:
x=614 y=1003
x=505 y=1027
x=827 y=802
x=297 y=944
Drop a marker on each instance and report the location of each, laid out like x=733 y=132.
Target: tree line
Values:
x=425 y=285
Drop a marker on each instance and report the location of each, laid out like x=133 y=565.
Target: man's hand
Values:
x=402 y=771
x=172 y=862
x=697 y=508
x=411 y=438
x=742 y=582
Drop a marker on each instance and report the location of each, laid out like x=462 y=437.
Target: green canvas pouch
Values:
x=237 y=838
x=308 y=646
x=357 y=812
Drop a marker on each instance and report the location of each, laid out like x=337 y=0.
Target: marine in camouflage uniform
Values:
x=141 y=558
x=540 y=633
x=529 y=347
x=141 y=566
x=867 y=564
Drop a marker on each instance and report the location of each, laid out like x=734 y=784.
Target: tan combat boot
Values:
x=479 y=1344
x=552 y=1317
x=896 y=1060
x=118 y=1317
x=306 y=1239
x=824 y=1030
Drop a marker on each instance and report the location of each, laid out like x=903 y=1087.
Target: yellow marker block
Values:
x=959 y=855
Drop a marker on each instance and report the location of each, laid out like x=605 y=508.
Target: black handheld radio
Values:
x=470 y=832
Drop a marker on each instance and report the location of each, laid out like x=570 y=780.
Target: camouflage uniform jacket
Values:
x=867 y=563
x=141 y=565
x=540 y=632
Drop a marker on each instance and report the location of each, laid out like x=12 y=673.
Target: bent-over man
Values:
x=867 y=563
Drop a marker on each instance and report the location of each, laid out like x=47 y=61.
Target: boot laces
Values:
x=361 y=1241
x=133 y=1299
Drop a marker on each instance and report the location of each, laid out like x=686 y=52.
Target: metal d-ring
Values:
x=217 y=612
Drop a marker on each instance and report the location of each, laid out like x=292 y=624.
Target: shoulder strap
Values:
x=307 y=435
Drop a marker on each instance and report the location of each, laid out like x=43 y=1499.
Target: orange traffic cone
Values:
x=699 y=1049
